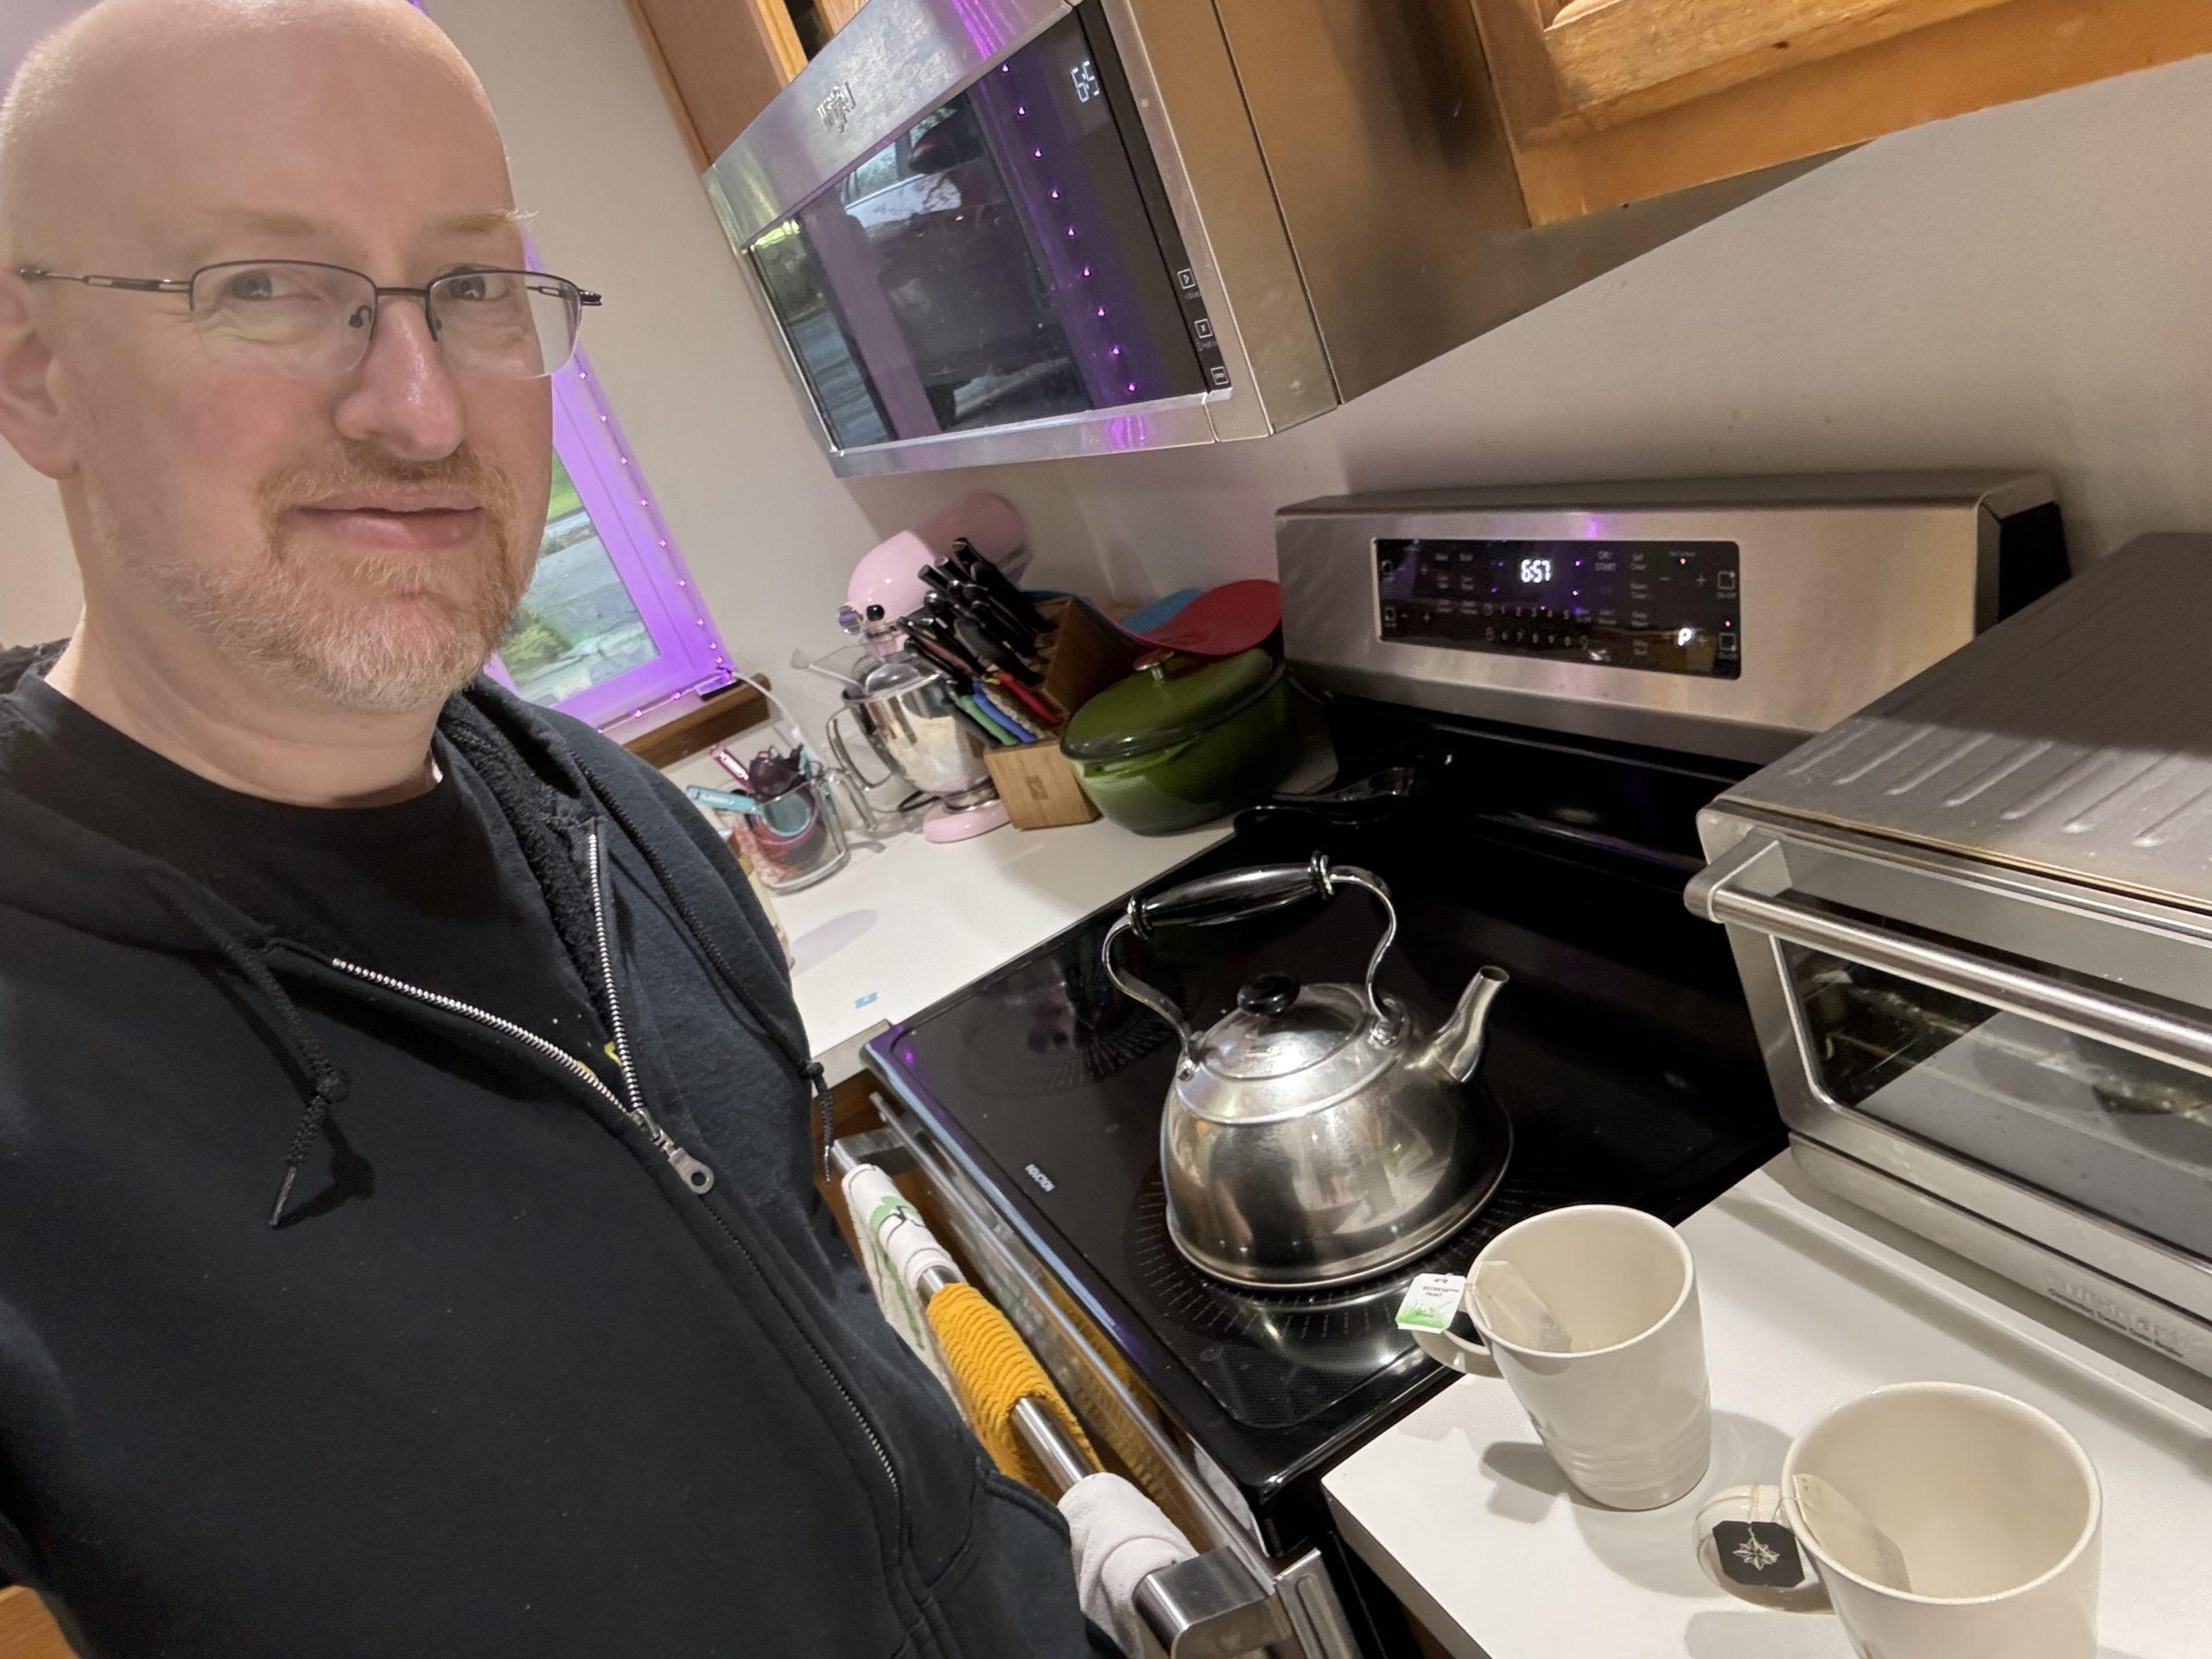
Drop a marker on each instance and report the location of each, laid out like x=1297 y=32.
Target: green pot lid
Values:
x=1168 y=701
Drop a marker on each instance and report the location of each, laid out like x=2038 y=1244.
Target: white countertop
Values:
x=1807 y=1302
x=911 y=920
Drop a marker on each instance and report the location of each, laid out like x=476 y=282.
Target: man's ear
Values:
x=31 y=416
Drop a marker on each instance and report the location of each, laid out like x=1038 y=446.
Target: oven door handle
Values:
x=1748 y=886
x=1210 y=1607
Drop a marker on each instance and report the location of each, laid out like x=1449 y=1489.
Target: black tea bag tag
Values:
x=1760 y=1554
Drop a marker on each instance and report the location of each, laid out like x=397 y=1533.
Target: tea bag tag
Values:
x=1433 y=1302
x=1507 y=1304
x=1840 y=1527
x=1759 y=1554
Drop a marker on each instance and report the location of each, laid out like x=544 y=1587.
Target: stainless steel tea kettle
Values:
x=1312 y=1136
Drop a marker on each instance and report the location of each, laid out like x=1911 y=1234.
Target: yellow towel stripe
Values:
x=992 y=1370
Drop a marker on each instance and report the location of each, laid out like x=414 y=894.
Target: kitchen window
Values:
x=613 y=626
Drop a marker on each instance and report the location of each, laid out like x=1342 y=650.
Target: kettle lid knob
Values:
x=1268 y=994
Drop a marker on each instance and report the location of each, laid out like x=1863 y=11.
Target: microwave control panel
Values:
x=1669 y=606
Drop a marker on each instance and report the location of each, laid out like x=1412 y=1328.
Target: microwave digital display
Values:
x=1010 y=257
x=1672 y=607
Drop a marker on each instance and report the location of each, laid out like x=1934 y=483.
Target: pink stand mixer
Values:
x=903 y=707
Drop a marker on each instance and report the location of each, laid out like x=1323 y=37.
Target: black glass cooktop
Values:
x=1621 y=1050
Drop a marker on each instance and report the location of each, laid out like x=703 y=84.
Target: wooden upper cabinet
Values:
x=1611 y=101
x=720 y=62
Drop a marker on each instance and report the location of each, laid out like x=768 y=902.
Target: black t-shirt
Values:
x=433 y=892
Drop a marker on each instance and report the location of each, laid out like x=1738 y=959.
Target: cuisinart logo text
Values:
x=2103 y=1309
x=1038 y=1176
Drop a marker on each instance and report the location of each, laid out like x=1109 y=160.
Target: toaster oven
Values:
x=1974 y=925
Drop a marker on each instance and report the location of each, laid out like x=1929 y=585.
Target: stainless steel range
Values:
x=1621 y=1050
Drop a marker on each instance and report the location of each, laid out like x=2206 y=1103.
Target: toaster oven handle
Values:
x=1747 y=887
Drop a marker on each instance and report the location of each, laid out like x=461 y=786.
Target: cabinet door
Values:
x=1610 y=101
x=719 y=63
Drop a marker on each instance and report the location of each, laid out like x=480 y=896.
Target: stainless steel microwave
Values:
x=1007 y=230
x=1974 y=923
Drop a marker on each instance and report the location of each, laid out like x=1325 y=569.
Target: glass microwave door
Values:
x=2108 y=1130
x=1008 y=258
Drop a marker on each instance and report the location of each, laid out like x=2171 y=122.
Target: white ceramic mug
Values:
x=1628 y=1414
x=1993 y=1510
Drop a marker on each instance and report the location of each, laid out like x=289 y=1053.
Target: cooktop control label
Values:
x=1671 y=608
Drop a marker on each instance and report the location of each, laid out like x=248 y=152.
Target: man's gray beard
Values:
x=292 y=620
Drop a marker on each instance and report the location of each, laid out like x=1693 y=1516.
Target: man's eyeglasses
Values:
x=303 y=321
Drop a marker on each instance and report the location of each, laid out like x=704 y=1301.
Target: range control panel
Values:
x=1669 y=606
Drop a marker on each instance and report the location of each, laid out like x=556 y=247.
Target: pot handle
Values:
x=1232 y=896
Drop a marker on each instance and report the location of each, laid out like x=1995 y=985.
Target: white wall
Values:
x=2026 y=286
x=38 y=584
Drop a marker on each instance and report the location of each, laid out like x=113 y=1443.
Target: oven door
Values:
x=2029 y=1053
x=957 y=225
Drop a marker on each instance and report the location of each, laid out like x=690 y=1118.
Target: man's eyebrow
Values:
x=262 y=221
x=481 y=220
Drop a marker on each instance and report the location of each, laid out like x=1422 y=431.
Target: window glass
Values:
x=578 y=626
x=2115 y=1132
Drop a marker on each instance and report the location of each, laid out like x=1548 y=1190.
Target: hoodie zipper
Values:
x=684 y=1163
x=696 y=1175
x=686 y=1166
x=630 y=1082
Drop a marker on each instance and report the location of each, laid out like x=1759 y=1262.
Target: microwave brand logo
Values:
x=2106 y=1311
x=837 y=110
x=1038 y=1176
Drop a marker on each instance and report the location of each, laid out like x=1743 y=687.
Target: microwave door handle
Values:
x=1729 y=892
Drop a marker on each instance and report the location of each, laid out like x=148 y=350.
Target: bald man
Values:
x=406 y=1240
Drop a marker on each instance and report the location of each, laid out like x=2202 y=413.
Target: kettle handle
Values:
x=1232 y=896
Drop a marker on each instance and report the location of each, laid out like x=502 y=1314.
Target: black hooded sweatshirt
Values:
x=499 y=1379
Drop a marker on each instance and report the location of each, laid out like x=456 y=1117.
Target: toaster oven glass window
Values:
x=2105 y=1128
x=1008 y=258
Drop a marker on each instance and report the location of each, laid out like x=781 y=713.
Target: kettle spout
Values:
x=1457 y=1048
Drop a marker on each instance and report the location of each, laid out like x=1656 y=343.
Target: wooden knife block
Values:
x=1082 y=658
x=1082 y=655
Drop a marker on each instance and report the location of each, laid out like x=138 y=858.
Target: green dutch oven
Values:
x=1182 y=740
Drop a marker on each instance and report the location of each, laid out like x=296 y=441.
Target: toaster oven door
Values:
x=2038 y=1057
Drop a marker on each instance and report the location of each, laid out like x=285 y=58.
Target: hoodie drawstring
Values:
x=329 y=1086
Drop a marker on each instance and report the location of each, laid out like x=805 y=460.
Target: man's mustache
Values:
x=463 y=472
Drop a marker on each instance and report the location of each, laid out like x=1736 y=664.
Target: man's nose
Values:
x=403 y=398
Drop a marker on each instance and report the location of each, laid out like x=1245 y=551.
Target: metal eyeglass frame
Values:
x=578 y=297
